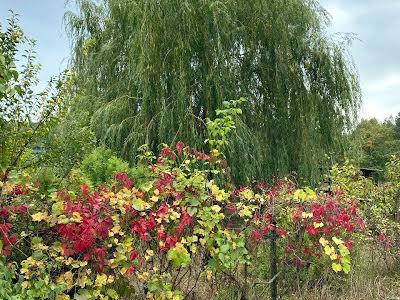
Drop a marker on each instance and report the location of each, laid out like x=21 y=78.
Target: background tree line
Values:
x=372 y=143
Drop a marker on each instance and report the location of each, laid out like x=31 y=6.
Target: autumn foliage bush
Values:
x=315 y=228
x=184 y=216
x=80 y=243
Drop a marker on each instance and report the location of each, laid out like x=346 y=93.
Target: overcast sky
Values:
x=42 y=20
x=376 y=54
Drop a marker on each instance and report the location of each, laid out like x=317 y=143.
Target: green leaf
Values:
x=224 y=248
x=343 y=250
x=138 y=204
x=346 y=268
x=193 y=201
x=212 y=263
x=346 y=260
x=112 y=293
x=36 y=240
x=192 y=210
x=336 y=267
x=37 y=255
x=81 y=297
x=179 y=256
x=240 y=244
x=57 y=208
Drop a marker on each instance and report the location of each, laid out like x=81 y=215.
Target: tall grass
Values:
x=375 y=276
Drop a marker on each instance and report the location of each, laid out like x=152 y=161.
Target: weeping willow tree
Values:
x=155 y=70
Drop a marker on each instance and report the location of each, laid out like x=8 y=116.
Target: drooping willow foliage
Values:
x=155 y=69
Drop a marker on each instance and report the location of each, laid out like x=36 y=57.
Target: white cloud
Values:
x=339 y=15
x=385 y=84
x=379 y=109
x=381 y=96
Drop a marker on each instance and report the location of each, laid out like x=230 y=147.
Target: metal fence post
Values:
x=274 y=263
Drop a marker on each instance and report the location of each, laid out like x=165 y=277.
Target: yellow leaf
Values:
x=246 y=212
x=209 y=274
x=116 y=229
x=82 y=281
x=329 y=250
x=306 y=215
x=174 y=215
x=323 y=241
x=57 y=208
x=101 y=279
x=215 y=152
x=336 y=267
x=76 y=217
x=318 y=225
x=62 y=297
x=69 y=261
x=220 y=196
x=247 y=194
x=216 y=208
x=8 y=187
x=333 y=256
x=40 y=216
x=67 y=279
x=337 y=241
x=110 y=279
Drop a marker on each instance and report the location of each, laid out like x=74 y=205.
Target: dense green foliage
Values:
x=61 y=155
x=100 y=166
x=372 y=143
x=25 y=115
x=155 y=70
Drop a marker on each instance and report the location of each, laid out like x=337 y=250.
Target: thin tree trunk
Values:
x=397 y=206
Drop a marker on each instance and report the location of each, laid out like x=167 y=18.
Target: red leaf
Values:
x=281 y=232
x=130 y=270
x=161 y=235
x=256 y=236
x=4 y=212
x=311 y=230
x=179 y=147
x=163 y=210
x=85 y=189
x=133 y=255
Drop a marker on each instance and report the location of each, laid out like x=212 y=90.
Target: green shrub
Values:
x=8 y=289
x=100 y=166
